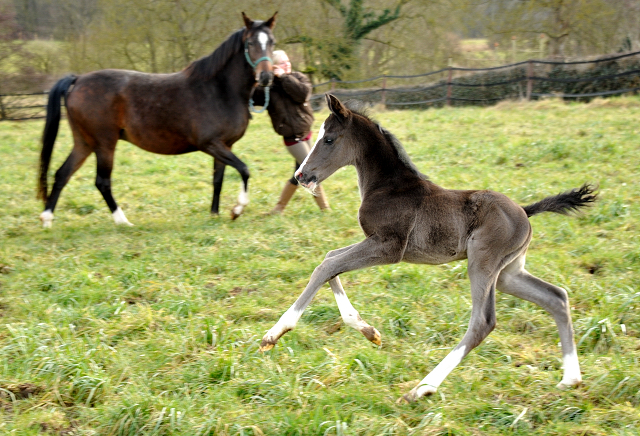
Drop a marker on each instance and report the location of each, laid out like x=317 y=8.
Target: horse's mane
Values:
x=207 y=66
x=359 y=108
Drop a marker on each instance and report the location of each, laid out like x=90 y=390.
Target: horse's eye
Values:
x=250 y=43
x=328 y=141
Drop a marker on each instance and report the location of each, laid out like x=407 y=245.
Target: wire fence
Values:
x=531 y=79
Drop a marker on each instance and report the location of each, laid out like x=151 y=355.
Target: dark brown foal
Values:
x=406 y=217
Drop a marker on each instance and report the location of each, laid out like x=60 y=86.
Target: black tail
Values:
x=51 y=130
x=566 y=202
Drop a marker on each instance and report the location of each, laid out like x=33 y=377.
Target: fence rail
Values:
x=25 y=106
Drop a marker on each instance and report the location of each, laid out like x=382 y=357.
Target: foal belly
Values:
x=433 y=255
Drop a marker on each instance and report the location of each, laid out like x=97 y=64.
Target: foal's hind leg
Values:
x=483 y=270
x=515 y=280
x=104 y=157
x=74 y=161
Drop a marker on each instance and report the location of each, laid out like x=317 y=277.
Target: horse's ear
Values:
x=336 y=107
x=248 y=22
x=271 y=22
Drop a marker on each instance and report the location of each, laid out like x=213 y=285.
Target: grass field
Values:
x=154 y=329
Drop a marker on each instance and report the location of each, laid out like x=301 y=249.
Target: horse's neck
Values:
x=378 y=165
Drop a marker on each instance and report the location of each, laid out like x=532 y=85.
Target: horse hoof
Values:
x=236 y=212
x=266 y=347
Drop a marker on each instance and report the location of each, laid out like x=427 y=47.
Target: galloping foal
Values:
x=406 y=217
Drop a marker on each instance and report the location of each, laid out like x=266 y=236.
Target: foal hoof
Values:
x=568 y=384
x=266 y=346
x=372 y=334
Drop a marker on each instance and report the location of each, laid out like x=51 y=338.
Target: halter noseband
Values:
x=254 y=65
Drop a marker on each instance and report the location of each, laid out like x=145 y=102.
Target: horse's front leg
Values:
x=218 y=176
x=369 y=252
x=223 y=156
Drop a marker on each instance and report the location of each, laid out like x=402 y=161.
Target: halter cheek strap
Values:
x=254 y=66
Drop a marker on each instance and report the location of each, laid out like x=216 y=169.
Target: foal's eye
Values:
x=328 y=141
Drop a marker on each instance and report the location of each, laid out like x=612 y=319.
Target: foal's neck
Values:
x=382 y=162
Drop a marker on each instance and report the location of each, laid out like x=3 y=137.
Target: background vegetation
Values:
x=342 y=39
x=154 y=329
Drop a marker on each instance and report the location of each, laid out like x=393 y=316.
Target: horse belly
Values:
x=433 y=255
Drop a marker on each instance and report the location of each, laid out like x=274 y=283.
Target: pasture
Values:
x=154 y=329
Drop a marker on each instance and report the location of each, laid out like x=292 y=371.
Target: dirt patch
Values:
x=19 y=390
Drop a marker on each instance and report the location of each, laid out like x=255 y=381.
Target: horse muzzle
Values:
x=309 y=182
x=265 y=78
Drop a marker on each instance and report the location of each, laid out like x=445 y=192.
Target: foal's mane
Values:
x=206 y=67
x=359 y=108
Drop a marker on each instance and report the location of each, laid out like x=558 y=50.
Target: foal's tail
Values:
x=566 y=202
x=51 y=129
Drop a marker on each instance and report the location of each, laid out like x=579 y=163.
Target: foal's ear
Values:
x=336 y=107
x=248 y=22
x=271 y=22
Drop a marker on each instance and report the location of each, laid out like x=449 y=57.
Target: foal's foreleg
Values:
x=366 y=253
x=350 y=315
x=515 y=280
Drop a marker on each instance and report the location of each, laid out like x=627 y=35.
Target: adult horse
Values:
x=406 y=217
x=204 y=107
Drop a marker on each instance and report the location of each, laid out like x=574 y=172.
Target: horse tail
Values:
x=51 y=129
x=565 y=202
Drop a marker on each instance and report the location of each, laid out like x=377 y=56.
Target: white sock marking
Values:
x=287 y=322
x=433 y=380
x=47 y=218
x=320 y=135
x=119 y=217
x=572 y=375
x=348 y=312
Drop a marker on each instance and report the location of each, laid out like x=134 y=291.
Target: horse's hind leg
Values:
x=515 y=280
x=74 y=161
x=104 y=158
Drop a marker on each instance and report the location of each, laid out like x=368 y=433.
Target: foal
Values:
x=406 y=217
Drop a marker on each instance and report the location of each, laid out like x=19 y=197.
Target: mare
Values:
x=204 y=107
x=406 y=217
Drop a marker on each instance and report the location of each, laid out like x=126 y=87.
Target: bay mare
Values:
x=406 y=217
x=204 y=107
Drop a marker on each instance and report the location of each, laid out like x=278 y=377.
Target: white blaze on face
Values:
x=320 y=135
x=263 y=39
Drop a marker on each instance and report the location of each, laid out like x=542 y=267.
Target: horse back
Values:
x=161 y=113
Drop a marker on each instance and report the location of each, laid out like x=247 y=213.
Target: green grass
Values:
x=154 y=329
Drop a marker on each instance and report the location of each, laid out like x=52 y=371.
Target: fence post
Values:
x=449 y=78
x=383 y=98
x=3 y=111
x=333 y=84
x=529 y=79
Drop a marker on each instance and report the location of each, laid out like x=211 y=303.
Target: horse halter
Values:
x=254 y=65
